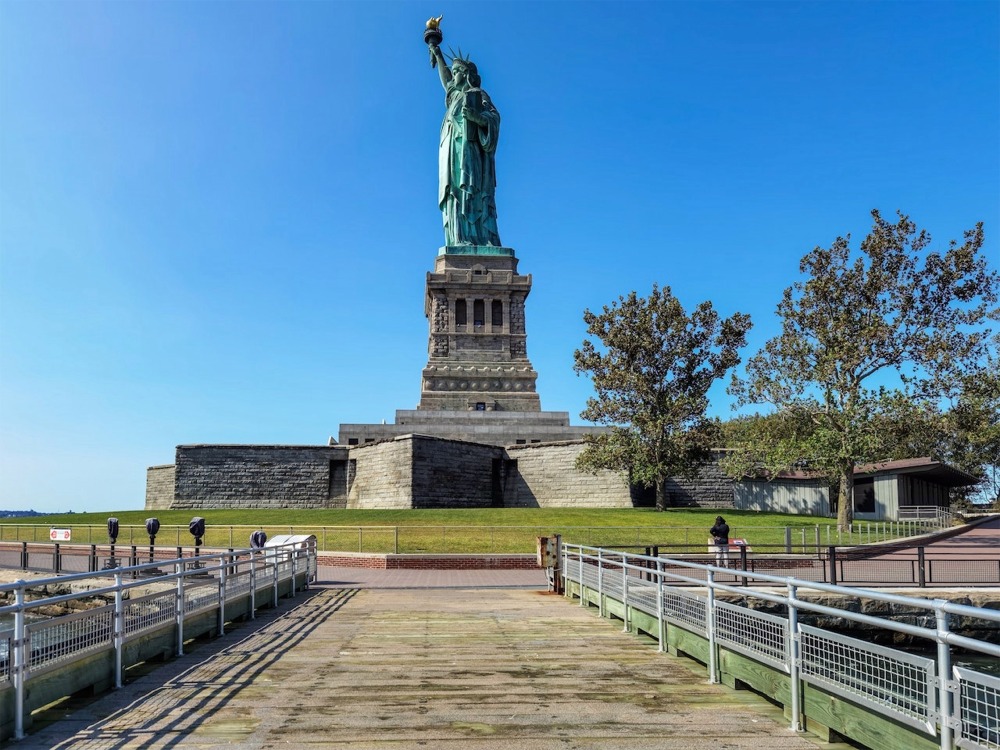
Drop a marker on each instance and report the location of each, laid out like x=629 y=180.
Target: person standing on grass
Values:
x=720 y=537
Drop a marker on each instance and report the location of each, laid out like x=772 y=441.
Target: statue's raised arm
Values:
x=433 y=37
x=469 y=136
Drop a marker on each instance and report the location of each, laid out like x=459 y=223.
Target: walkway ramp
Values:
x=377 y=668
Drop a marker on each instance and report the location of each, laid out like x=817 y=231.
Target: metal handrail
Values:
x=268 y=566
x=943 y=711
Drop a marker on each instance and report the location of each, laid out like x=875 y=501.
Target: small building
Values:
x=882 y=491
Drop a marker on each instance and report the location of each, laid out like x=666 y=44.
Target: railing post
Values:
x=119 y=631
x=274 y=564
x=222 y=596
x=661 y=626
x=921 y=569
x=713 y=666
x=944 y=677
x=179 y=605
x=294 y=569
x=20 y=662
x=92 y=562
x=788 y=540
x=55 y=559
x=253 y=585
x=600 y=581
x=624 y=594
x=794 y=659
x=833 y=565
x=24 y=555
x=743 y=563
x=395 y=540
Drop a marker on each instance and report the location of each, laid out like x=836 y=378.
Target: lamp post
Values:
x=197 y=529
x=152 y=526
x=112 y=537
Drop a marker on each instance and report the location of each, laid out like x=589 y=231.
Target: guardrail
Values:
x=804 y=666
x=200 y=595
x=898 y=564
x=943 y=517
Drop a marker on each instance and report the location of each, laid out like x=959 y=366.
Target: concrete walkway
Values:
x=402 y=666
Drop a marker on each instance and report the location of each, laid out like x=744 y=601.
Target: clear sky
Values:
x=216 y=217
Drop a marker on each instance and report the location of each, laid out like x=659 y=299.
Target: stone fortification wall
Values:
x=259 y=476
x=381 y=475
x=410 y=471
x=546 y=476
x=455 y=474
x=710 y=489
x=160 y=487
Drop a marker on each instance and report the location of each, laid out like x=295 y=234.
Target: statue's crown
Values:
x=461 y=59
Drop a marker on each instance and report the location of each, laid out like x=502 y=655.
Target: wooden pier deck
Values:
x=395 y=664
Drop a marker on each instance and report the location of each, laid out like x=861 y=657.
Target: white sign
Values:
x=60 y=535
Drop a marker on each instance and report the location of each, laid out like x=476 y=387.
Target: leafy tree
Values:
x=862 y=335
x=652 y=370
x=973 y=432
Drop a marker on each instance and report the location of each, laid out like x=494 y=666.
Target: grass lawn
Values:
x=433 y=531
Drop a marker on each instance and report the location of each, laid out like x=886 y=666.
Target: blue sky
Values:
x=216 y=217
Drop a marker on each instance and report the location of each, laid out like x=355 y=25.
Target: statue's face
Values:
x=461 y=75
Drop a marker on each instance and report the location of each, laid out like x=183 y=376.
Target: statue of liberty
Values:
x=466 y=163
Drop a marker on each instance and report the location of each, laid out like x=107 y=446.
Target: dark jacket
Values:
x=720 y=532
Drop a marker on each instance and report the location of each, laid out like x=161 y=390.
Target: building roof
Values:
x=926 y=467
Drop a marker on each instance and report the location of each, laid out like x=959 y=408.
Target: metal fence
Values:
x=480 y=539
x=37 y=644
x=958 y=706
x=901 y=564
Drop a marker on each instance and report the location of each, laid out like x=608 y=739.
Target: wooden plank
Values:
x=761 y=678
x=823 y=714
x=861 y=724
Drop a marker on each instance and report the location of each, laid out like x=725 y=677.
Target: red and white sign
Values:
x=60 y=535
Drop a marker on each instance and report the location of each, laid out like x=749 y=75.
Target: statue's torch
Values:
x=433 y=36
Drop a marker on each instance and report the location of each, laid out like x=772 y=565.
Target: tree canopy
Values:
x=865 y=339
x=652 y=368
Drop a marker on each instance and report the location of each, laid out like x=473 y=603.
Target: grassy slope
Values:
x=631 y=517
x=492 y=530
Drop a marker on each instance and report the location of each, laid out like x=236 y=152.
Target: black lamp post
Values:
x=112 y=537
x=197 y=529
x=152 y=526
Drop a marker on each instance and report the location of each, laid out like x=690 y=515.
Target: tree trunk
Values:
x=845 y=497
x=661 y=494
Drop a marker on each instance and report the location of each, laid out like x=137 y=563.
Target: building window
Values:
x=864 y=496
x=497 y=313
x=369 y=440
x=480 y=406
x=478 y=312
x=460 y=313
x=352 y=441
x=520 y=442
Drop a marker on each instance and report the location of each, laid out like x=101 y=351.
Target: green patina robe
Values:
x=467 y=168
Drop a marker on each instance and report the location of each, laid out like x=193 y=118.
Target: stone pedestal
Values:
x=477 y=342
